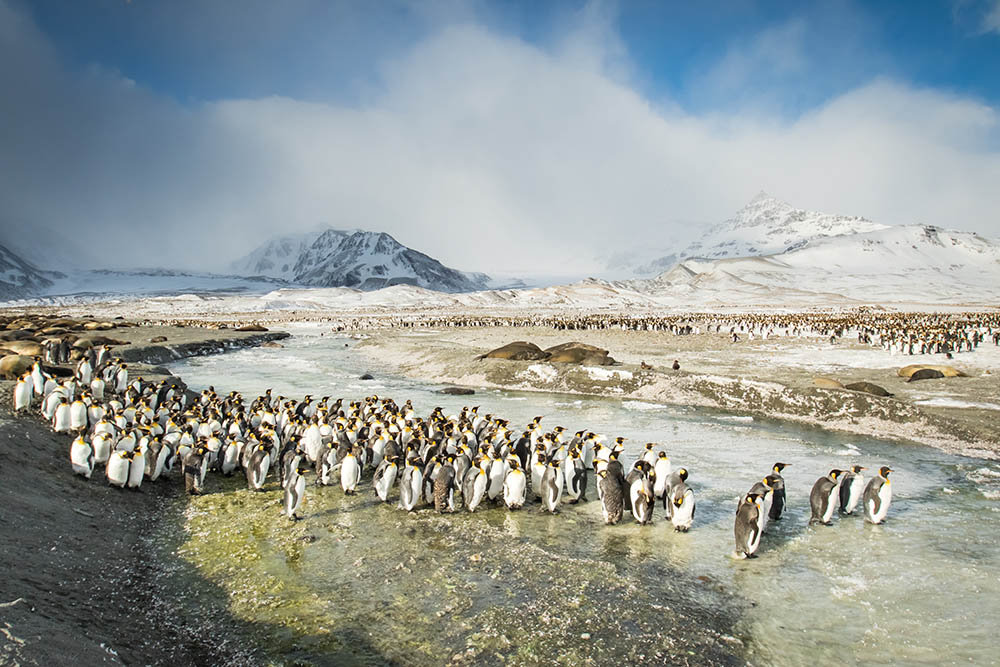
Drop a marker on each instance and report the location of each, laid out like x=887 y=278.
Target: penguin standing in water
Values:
x=515 y=486
x=878 y=495
x=575 y=475
x=747 y=528
x=81 y=457
x=410 y=485
x=765 y=489
x=295 y=492
x=350 y=473
x=642 y=499
x=612 y=496
x=681 y=503
x=778 y=492
x=662 y=470
x=385 y=477
x=552 y=484
x=823 y=497
x=474 y=487
x=444 y=488
x=851 y=489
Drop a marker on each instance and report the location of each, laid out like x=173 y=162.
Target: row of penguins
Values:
x=838 y=490
x=142 y=431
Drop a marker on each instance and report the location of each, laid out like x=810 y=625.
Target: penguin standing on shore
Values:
x=350 y=473
x=117 y=469
x=23 y=392
x=194 y=476
x=851 y=489
x=256 y=470
x=575 y=475
x=878 y=495
x=295 y=492
x=824 y=496
x=778 y=492
x=81 y=457
x=747 y=527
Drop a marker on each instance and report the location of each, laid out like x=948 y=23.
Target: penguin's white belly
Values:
x=80 y=458
x=683 y=515
x=117 y=470
x=885 y=496
x=830 y=503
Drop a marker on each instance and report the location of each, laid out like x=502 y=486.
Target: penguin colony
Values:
x=896 y=333
x=140 y=431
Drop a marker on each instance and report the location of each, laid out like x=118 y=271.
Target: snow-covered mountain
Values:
x=765 y=226
x=907 y=263
x=20 y=278
x=359 y=259
x=277 y=257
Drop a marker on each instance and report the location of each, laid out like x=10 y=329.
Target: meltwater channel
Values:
x=361 y=582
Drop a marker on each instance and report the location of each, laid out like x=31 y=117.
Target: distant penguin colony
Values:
x=140 y=431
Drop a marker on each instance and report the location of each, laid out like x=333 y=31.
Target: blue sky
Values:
x=327 y=50
x=457 y=123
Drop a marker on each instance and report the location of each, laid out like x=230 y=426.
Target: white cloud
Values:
x=991 y=20
x=478 y=149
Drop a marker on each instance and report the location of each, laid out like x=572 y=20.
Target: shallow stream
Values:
x=361 y=582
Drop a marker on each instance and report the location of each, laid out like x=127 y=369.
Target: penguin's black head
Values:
x=834 y=474
x=857 y=469
x=778 y=467
x=662 y=455
x=884 y=471
x=682 y=473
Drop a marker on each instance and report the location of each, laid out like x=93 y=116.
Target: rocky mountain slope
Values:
x=358 y=259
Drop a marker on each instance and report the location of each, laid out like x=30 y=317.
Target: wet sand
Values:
x=762 y=378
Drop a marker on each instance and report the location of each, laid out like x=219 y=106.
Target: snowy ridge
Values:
x=357 y=259
x=765 y=226
x=20 y=278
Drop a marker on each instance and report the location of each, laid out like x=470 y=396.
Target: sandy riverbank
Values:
x=765 y=378
x=86 y=578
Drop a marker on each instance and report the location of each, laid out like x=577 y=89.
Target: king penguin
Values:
x=878 y=495
x=823 y=497
x=851 y=489
x=747 y=527
x=295 y=492
x=778 y=494
x=81 y=457
x=514 y=487
x=612 y=496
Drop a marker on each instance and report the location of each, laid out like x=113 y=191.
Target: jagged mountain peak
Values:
x=365 y=260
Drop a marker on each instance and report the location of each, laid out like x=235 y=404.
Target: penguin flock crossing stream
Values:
x=142 y=432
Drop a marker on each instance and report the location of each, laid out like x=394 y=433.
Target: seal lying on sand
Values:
x=579 y=353
x=517 y=351
x=946 y=371
x=868 y=388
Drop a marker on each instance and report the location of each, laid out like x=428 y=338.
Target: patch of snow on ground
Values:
x=542 y=371
x=955 y=403
x=603 y=374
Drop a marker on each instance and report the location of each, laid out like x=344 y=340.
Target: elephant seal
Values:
x=579 y=353
x=827 y=383
x=926 y=374
x=14 y=366
x=946 y=371
x=252 y=327
x=868 y=388
x=517 y=351
x=28 y=348
x=457 y=391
